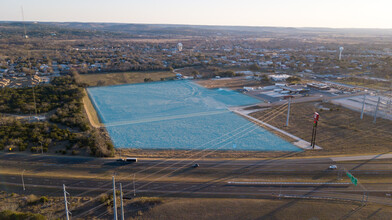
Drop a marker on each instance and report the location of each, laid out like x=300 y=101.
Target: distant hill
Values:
x=170 y=30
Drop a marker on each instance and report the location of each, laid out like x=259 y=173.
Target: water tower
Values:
x=340 y=52
x=179 y=47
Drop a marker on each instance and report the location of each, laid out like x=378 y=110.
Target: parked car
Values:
x=195 y=165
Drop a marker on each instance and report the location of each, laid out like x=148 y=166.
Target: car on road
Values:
x=195 y=165
x=128 y=160
x=131 y=159
x=332 y=167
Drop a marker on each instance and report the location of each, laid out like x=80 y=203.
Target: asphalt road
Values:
x=219 y=173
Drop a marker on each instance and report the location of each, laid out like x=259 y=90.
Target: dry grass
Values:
x=203 y=208
x=106 y=79
x=340 y=131
x=232 y=83
x=374 y=84
x=49 y=207
x=196 y=154
x=263 y=209
x=92 y=114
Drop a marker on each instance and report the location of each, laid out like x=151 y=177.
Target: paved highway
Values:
x=211 y=177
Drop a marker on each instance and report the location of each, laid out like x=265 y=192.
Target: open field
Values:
x=373 y=84
x=340 y=130
x=180 y=115
x=106 y=79
x=232 y=83
x=264 y=209
x=194 y=208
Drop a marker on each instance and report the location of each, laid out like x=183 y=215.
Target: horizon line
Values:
x=209 y=25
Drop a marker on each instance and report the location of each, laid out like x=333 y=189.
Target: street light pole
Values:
x=42 y=148
x=114 y=200
x=288 y=113
x=122 y=205
x=134 y=189
x=23 y=181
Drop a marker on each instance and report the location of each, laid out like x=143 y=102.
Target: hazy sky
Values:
x=288 y=13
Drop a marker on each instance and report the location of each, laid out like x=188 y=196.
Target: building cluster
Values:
x=92 y=57
x=18 y=82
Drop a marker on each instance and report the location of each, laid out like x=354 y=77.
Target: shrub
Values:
x=22 y=147
x=148 y=201
x=43 y=199
x=106 y=199
x=11 y=215
x=36 y=149
x=31 y=199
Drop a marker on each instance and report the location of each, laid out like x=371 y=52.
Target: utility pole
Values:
x=66 y=203
x=42 y=148
x=122 y=205
x=375 y=112
x=23 y=181
x=339 y=176
x=288 y=113
x=363 y=106
x=114 y=200
x=35 y=103
x=134 y=189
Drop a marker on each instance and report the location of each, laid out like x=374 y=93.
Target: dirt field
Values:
x=373 y=84
x=194 y=208
x=264 y=209
x=91 y=112
x=340 y=130
x=106 y=79
x=232 y=83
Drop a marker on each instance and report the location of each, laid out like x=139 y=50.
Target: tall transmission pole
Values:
x=114 y=200
x=24 y=25
x=23 y=181
x=288 y=113
x=67 y=212
x=35 y=103
x=28 y=57
x=363 y=106
x=122 y=205
x=375 y=112
x=134 y=188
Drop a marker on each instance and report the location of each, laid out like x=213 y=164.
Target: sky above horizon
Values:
x=281 y=13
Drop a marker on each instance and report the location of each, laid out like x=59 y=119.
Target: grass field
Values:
x=232 y=83
x=263 y=209
x=373 y=84
x=340 y=130
x=106 y=79
x=195 y=208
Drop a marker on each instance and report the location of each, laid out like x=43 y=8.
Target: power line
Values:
x=114 y=199
x=250 y=126
x=183 y=167
x=195 y=149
